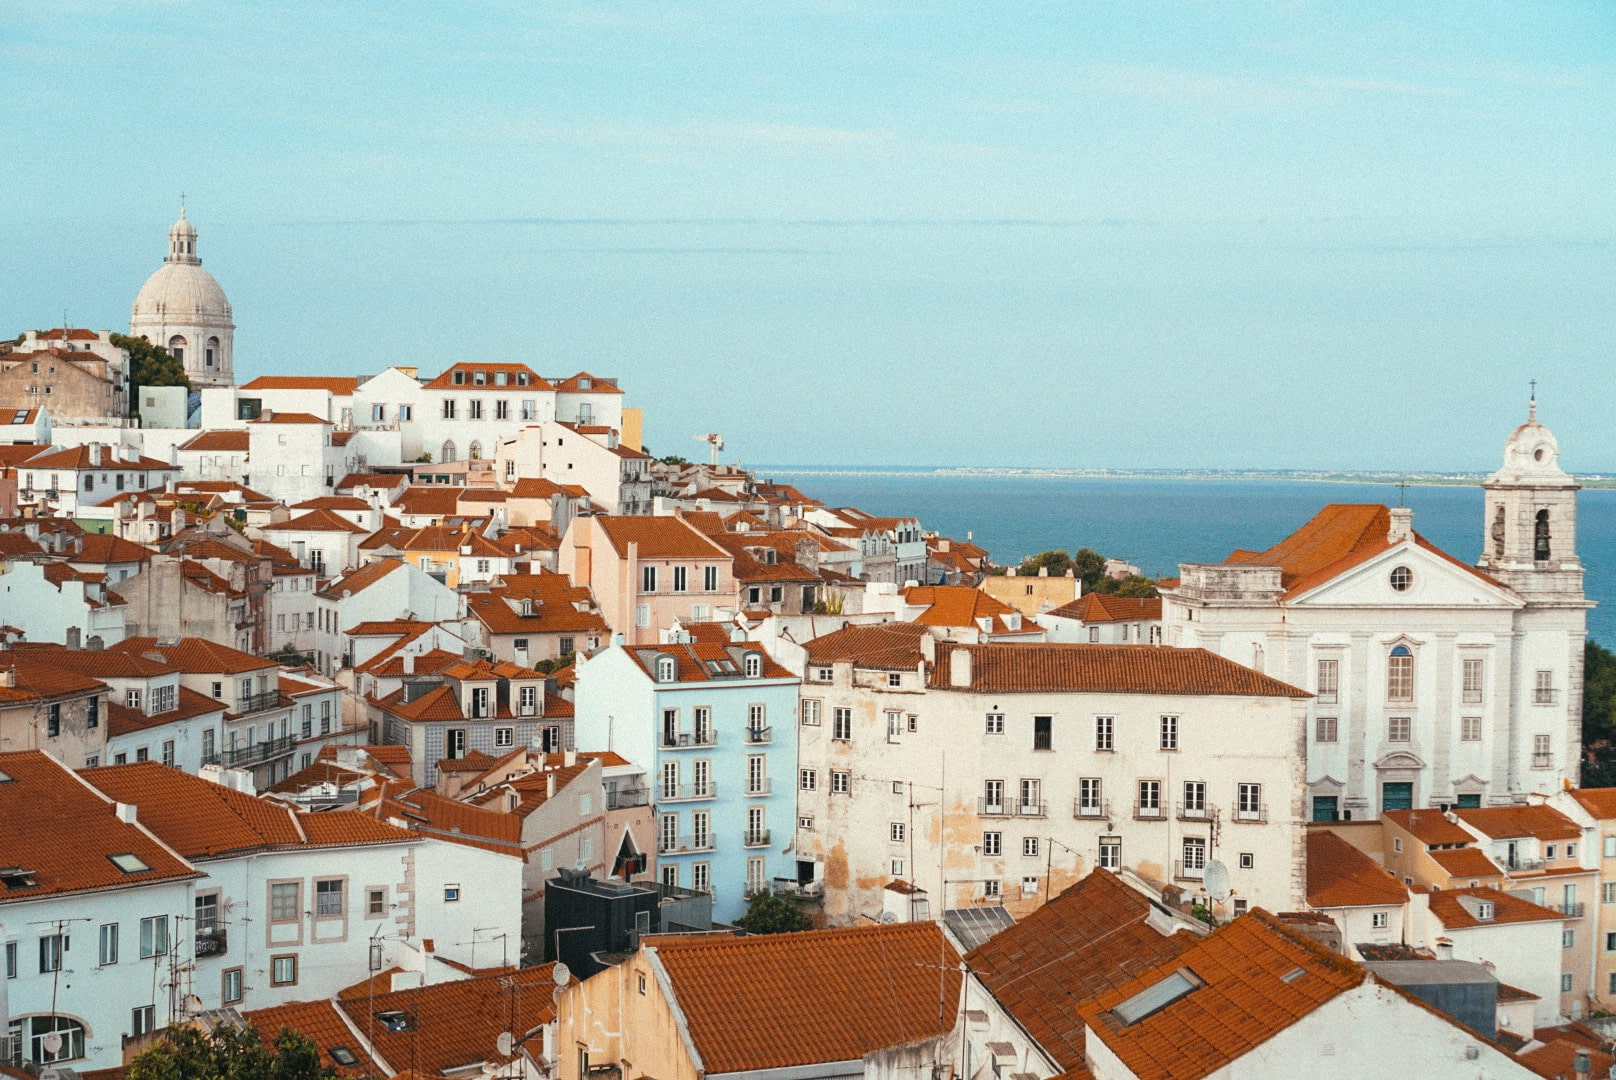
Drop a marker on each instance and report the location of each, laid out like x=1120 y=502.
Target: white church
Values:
x=182 y=308
x=1435 y=683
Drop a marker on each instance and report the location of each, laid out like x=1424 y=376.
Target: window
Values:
x=842 y=725
x=993 y=797
x=375 y=902
x=1540 y=534
x=328 y=897
x=806 y=821
x=153 y=936
x=1169 y=733
x=992 y=843
x=285 y=902
x=451 y=893
x=1549 y=852
x=1110 y=852
x=1325 y=729
x=504 y=736
x=824 y=674
x=1329 y=680
x=1043 y=735
x=1094 y=634
x=11 y=959
x=1397 y=795
x=1400 y=674
x=1029 y=886
x=1470 y=729
x=1149 y=798
x=233 y=985
x=990 y=889
x=709 y=578
x=168 y=753
x=1401 y=578
x=648 y=579
x=1571 y=853
x=810 y=712
x=680 y=574
x=1249 y=805
x=1104 y=732
x=51 y=947
x=896 y=832
x=1380 y=920
x=1029 y=845
x=1568 y=939
x=1543 y=690
x=142 y=1020
x=109 y=944
x=995 y=723
x=701 y=877
x=1398 y=729
x=40 y=1029
x=808 y=779
x=897 y=867
x=1194 y=860
x=1194 y=798
x=1031 y=803
x=1248 y=860
x=840 y=782
x=1567 y=982
x=282 y=970
x=1474 y=674
x=1088 y=797
x=894 y=678
x=131 y=698
x=53 y=721
x=1542 y=755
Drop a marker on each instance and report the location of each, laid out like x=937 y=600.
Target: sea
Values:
x=1157 y=523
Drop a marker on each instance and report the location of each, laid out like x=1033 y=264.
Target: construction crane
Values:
x=714 y=441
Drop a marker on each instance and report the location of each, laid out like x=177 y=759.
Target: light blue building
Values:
x=714 y=727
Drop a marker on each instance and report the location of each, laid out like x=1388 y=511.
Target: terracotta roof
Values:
x=573 y=384
x=1250 y=990
x=35 y=678
x=1104 y=608
x=78 y=457
x=194 y=655
x=475 y=761
x=458 y=1023
x=219 y=441
x=1506 y=822
x=1599 y=802
x=659 y=538
x=445 y=379
x=748 y=567
x=362 y=578
x=700 y=661
x=1116 y=669
x=320 y=1022
x=288 y=418
x=17 y=545
x=1466 y=862
x=105 y=548
x=448 y=819
x=66 y=834
x=1556 y=1057
x=337 y=384
x=1089 y=939
x=888 y=646
x=554 y=608
x=961 y=605
x=782 y=1000
x=1429 y=826
x=1506 y=908
x=333 y=502
x=1339 y=875
x=73 y=333
x=321 y=520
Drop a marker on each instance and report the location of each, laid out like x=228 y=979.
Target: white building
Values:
x=590 y=456
x=182 y=309
x=1435 y=682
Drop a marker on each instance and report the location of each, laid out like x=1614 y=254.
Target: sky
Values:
x=1141 y=234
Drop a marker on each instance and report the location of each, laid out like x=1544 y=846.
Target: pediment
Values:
x=1435 y=582
x=1401 y=759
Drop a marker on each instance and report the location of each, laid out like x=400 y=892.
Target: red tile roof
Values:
x=700 y=661
x=194 y=655
x=1104 y=608
x=323 y=1024
x=102 y=548
x=1466 y=862
x=222 y=441
x=1506 y=908
x=1339 y=875
x=320 y=520
x=289 y=418
x=555 y=606
x=1091 y=938
x=1251 y=990
x=573 y=384
x=336 y=384
x=36 y=679
x=1599 y=802
x=961 y=605
x=1117 y=669
x=660 y=538
x=457 y=1024
x=362 y=578
x=445 y=379
x=1507 y=822
x=65 y=834
x=1429 y=826
x=782 y=1000
x=887 y=646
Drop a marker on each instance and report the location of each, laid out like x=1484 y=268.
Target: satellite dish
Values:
x=52 y=1042
x=193 y=1005
x=561 y=974
x=1216 y=879
x=504 y=1044
x=889 y=917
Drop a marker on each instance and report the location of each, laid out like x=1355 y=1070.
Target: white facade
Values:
x=182 y=309
x=71 y=613
x=617 y=478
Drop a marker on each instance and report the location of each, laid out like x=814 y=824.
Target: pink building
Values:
x=647 y=571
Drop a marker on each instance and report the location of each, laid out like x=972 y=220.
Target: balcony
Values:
x=1148 y=811
x=685 y=740
x=1545 y=696
x=687 y=792
x=990 y=809
x=1188 y=871
x=1251 y=815
x=1200 y=812
x=754 y=888
x=211 y=942
x=760 y=736
x=251 y=703
x=1542 y=761
x=623 y=798
x=1100 y=809
x=1520 y=865
x=792 y=889
x=1571 y=911
x=1032 y=809
x=672 y=845
x=756 y=838
x=758 y=786
x=264 y=751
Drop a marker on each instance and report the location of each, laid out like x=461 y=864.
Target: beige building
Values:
x=645 y=572
x=77 y=380
x=1032 y=595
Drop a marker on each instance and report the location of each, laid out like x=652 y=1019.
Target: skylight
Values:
x=342 y=1055
x=5 y=778
x=129 y=862
x=1158 y=996
x=1292 y=975
x=15 y=877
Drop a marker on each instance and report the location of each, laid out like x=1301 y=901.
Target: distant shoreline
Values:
x=967 y=472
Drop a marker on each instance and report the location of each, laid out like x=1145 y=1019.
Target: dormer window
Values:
x=479 y=378
x=458 y=378
x=1484 y=911
x=521 y=380
x=585 y=383
x=754 y=665
x=666 y=669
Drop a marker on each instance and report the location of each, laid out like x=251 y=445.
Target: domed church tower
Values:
x=182 y=308
x=1530 y=542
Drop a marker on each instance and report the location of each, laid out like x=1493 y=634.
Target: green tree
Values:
x=1055 y=561
x=1132 y=585
x=770 y=914
x=1598 y=716
x=185 y=1053
x=674 y=459
x=149 y=365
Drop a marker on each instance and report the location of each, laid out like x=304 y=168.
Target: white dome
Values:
x=182 y=292
x=1531 y=453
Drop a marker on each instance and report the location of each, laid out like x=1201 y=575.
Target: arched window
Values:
x=1400 y=674
x=1498 y=531
x=176 y=348
x=664 y=669
x=448 y=454
x=1540 y=537
x=213 y=351
x=45 y=1032
x=474 y=451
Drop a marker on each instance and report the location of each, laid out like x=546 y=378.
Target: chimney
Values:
x=1402 y=524
x=126 y=813
x=8 y=677
x=95 y=453
x=959 y=667
x=569 y=758
x=409 y=663
x=549 y=785
x=1444 y=949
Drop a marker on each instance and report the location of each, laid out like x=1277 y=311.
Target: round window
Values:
x=1402 y=578
x=1537 y=455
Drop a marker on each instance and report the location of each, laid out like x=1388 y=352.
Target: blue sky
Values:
x=1132 y=234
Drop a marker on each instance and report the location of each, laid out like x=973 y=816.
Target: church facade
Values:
x=1434 y=682
x=182 y=308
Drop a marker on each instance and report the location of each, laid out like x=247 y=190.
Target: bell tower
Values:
x=1529 y=539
